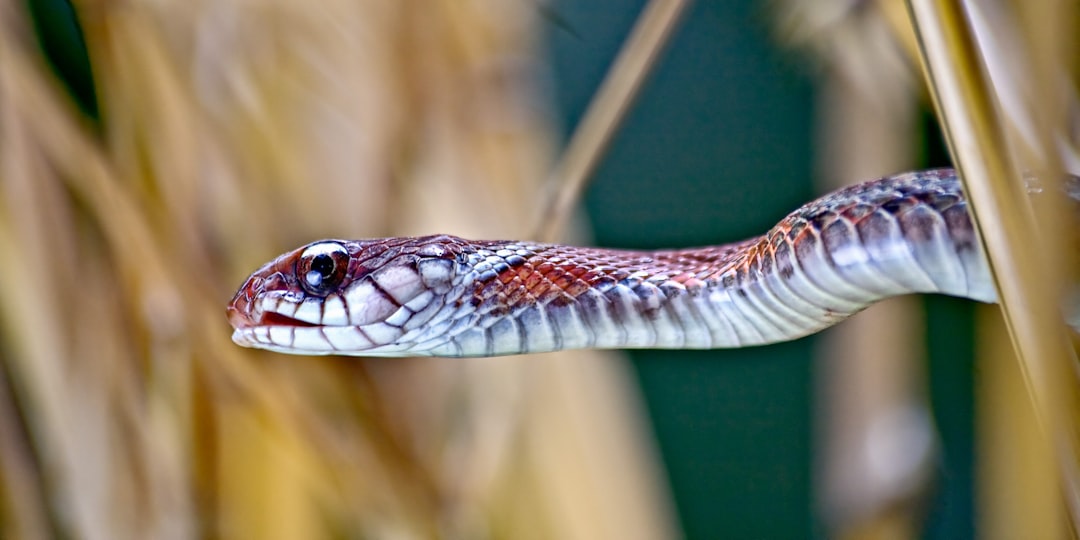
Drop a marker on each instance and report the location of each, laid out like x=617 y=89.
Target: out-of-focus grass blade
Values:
x=606 y=110
x=235 y=132
x=969 y=112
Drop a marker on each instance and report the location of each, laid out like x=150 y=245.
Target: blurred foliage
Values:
x=234 y=131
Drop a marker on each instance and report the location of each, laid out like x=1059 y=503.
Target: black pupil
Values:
x=323 y=264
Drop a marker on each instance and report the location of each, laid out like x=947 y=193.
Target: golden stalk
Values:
x=967 y=108
x=606 y=111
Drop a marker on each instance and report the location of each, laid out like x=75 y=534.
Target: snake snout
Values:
x=239 y=310
x=238 y=317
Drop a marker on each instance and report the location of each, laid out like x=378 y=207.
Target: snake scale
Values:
x=447 y=296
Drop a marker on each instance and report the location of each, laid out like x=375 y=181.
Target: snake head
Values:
x=370 y=297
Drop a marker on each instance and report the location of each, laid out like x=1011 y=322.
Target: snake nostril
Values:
x=238 y=316
x=239 y=309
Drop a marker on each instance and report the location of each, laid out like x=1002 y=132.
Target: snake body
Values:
x=447 y=296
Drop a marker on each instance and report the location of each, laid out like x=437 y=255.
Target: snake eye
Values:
x=321 y=267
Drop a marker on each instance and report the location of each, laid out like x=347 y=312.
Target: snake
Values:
x=446 y=296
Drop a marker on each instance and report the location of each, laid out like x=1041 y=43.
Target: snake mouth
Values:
x=242 y=319
x=276 y=319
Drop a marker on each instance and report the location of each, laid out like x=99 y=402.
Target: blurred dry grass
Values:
x=234 y=131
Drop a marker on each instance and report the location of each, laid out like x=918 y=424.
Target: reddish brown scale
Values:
x=533 y=278
x=555 y=274
x=577 y=288
x=540 y=287
x=553 y=295
x=516 y=292
x=563 y=280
